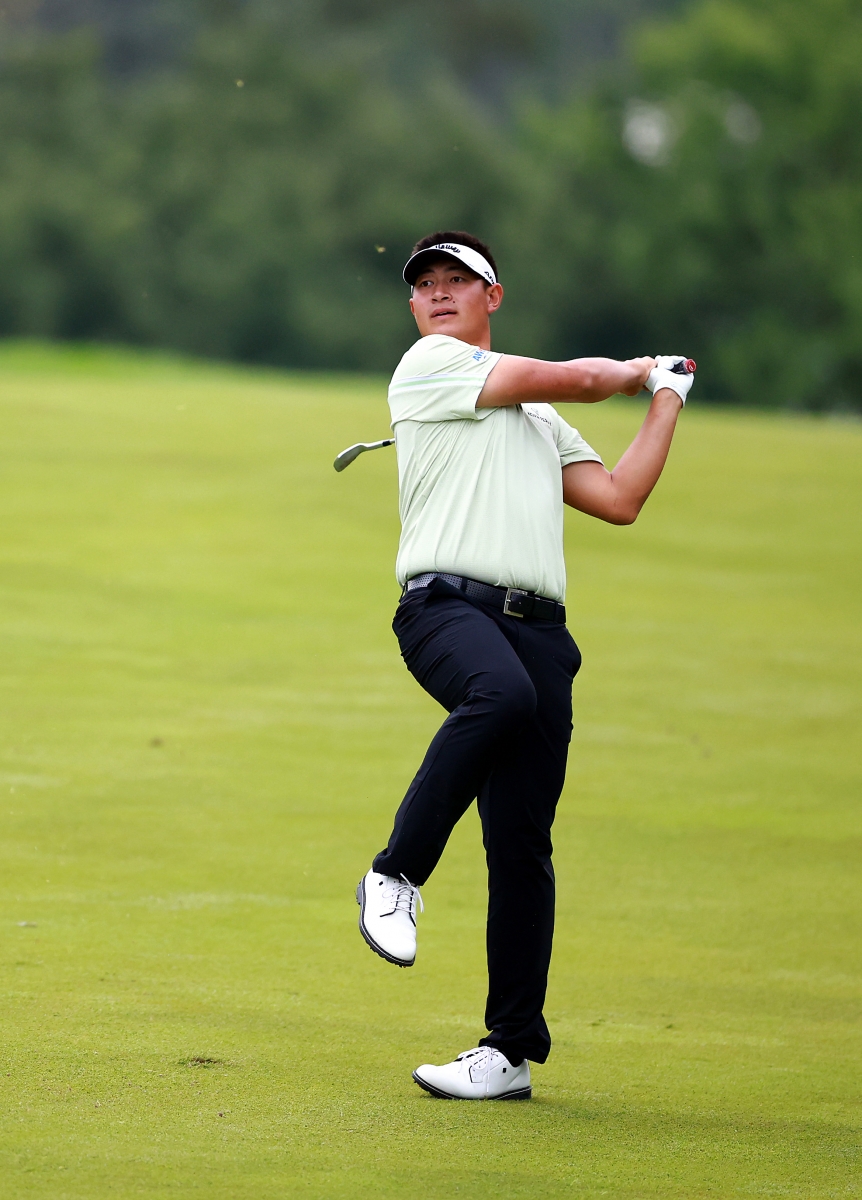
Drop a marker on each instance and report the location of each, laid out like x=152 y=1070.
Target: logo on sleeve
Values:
x=480 y=355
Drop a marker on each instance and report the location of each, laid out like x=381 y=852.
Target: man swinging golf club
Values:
x=485 y=465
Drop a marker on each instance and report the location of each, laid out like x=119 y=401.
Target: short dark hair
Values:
x=460 y=237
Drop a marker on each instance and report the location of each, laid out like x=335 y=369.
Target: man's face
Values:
x=448 y=298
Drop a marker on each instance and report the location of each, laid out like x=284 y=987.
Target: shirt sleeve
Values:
x=570 y=445
x=439 y=379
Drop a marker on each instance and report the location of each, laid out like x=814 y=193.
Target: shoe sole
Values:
x=521 y=1094
x=360 y=900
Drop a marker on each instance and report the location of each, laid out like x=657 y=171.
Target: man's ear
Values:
x=494 y=296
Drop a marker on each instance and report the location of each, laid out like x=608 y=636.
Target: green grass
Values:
x=207 y=727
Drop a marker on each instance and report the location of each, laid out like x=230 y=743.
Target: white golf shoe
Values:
x=387 y=916
x=480 y=1074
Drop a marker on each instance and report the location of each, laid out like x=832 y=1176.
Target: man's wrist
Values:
x=668 y=397
x=640 y=369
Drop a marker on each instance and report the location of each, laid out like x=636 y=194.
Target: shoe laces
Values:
x=480 y=1060
x=404 y=895
x=482 y=1055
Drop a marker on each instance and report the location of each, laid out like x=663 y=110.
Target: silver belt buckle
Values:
x=510 y=593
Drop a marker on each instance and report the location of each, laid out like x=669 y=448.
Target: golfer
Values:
x=485 y=465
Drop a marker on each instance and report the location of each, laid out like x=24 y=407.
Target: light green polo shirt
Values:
x=480 y=490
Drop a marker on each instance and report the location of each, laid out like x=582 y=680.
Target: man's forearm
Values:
x=638 y=471
x=600 y=378
x=618 y=496
x=516 y=380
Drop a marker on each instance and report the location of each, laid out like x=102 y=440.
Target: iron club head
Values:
x=346 y=457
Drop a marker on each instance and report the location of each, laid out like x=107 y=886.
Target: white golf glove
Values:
x=661 y=376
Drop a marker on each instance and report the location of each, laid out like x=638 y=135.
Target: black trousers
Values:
x=507 y=685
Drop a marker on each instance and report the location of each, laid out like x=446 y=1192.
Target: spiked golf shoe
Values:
x=480 y=1074
x=387 y=916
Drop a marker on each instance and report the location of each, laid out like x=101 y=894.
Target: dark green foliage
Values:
x=254 y=198
x=61 y=220
x=741 y=236
x=255 y=207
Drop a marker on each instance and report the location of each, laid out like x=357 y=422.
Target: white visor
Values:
x=470 y=258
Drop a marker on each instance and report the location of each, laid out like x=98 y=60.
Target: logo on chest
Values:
x=544 y=422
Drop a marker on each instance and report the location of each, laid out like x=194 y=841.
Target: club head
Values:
x=346 y=457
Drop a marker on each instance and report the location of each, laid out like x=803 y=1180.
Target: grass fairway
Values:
x=207 y=727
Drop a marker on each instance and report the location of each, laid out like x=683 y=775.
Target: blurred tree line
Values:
x=244 y=180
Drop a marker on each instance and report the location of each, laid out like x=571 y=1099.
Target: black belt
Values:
x=514 y=602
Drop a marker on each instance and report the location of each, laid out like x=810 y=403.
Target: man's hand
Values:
x=662 y=376
x=516 y=380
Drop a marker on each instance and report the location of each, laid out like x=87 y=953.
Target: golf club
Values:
x=346 y=457
x=684 y=368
